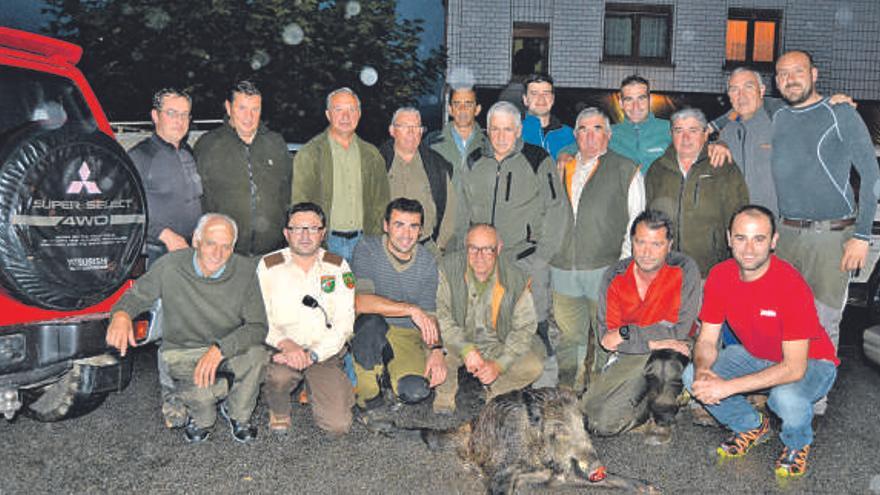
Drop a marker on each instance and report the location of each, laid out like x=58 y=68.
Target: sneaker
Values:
x=241 y=432
x=740 y=443
x=193 y=433
x=820 y=406
x=792 y=462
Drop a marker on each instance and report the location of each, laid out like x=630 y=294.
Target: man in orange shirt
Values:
x=647 y=307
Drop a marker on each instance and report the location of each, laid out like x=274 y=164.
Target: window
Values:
x=637 y=33
x=752 y=37
x=531 y=47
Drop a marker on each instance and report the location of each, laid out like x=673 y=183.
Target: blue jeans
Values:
x=345 y=247
x=342 y=246
x=792 y=402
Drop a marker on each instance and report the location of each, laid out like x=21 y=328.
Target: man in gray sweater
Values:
x=214 y=322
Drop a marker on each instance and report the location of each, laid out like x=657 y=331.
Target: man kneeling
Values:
x=769 y=307
x=213 y=322
x=487 y=319
x=309 y=296
x=647 y=307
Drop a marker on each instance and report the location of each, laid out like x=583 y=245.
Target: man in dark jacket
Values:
x=698 y=198
x=246 y=172
x=417 y=172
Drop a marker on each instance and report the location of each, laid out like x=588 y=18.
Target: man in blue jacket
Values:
x=540 y=127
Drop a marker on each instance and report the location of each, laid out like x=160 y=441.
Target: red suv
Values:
x=72 y=223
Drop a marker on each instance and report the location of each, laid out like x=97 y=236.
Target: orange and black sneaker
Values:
x=792 y=462
x=740 y=443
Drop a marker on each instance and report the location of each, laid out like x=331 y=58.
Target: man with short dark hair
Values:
x=168 y=172
x=540 y=127
x=396 y=332
x=824 y=232
x=214 y=323
x=641 y=137
x=343 y=174
x=462 y=136
x=647 y=307
x=417 y=172
x=309 y=298
x=246 y=171
x=698 y=197
x=487 y=318
x=782 y=346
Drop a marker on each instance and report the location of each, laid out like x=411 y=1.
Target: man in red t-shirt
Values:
x=647 y=307
x=784 y=350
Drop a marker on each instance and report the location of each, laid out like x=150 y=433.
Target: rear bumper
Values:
x=38 y=353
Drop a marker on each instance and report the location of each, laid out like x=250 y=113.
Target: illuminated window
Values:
x=752 y=36
x=637 y=33
x=531 y=43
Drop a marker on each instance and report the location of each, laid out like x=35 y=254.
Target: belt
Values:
x=346 y=234
x=526 y=253
x=819 y=224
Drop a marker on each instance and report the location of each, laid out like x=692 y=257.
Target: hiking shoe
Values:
x=740 y=443
x=792 y=462
x=241 y=431
x=279 y=423
x=658 y=435
x=174 y=413
x=193 y=433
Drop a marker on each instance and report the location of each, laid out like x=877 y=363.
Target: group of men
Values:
x=619 y=234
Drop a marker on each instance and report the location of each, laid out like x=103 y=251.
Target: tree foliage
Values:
x=296 y=51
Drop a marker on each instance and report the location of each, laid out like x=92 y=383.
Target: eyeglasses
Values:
x=304 y=229
x=483 y=250
x=174 y=114
x=464 y=104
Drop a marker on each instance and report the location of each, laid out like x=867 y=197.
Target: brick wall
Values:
x=842 y=35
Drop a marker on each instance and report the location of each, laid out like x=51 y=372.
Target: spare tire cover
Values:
x=72 y=217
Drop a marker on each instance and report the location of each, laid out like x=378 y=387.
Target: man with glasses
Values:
x=541 y=127
x=309 y=297
x=396 y=333
x=417 y=172
x=514 y=188
x=173 y=187
x=699 y=198
x=168 y=172
x=605 y=192
x=343 y=174
x=487 y=319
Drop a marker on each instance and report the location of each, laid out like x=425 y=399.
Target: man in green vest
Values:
x=487 y=320
x=605 y=193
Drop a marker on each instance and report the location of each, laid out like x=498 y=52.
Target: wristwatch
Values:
x=439 y=346
x=314 y=356
x=624 y=332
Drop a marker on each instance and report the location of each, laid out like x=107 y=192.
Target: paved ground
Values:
x=122 y=447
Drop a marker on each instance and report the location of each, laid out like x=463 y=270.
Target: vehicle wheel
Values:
x=61 y=400
x=72 y=216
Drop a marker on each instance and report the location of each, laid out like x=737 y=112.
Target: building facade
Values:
x=681 y=46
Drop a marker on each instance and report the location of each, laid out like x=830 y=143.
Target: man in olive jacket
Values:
x=698 y=198
x=344 y=175
x=487 y=320
x=515 y=188
x=246 y=171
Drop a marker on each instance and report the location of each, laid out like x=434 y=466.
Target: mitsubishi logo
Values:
x=77 y=186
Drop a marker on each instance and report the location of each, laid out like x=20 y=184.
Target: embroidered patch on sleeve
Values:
x=348 y=279
x=328 y=283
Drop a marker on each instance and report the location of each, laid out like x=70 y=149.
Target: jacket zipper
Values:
x=495 y=193
x=253 y=191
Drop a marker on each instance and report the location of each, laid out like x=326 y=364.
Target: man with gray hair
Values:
x=605 y=192
x=749 y=135
x=513 y=186
x=415 y=171
x=699 y=198
x=344 y=175
x=214 y=324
